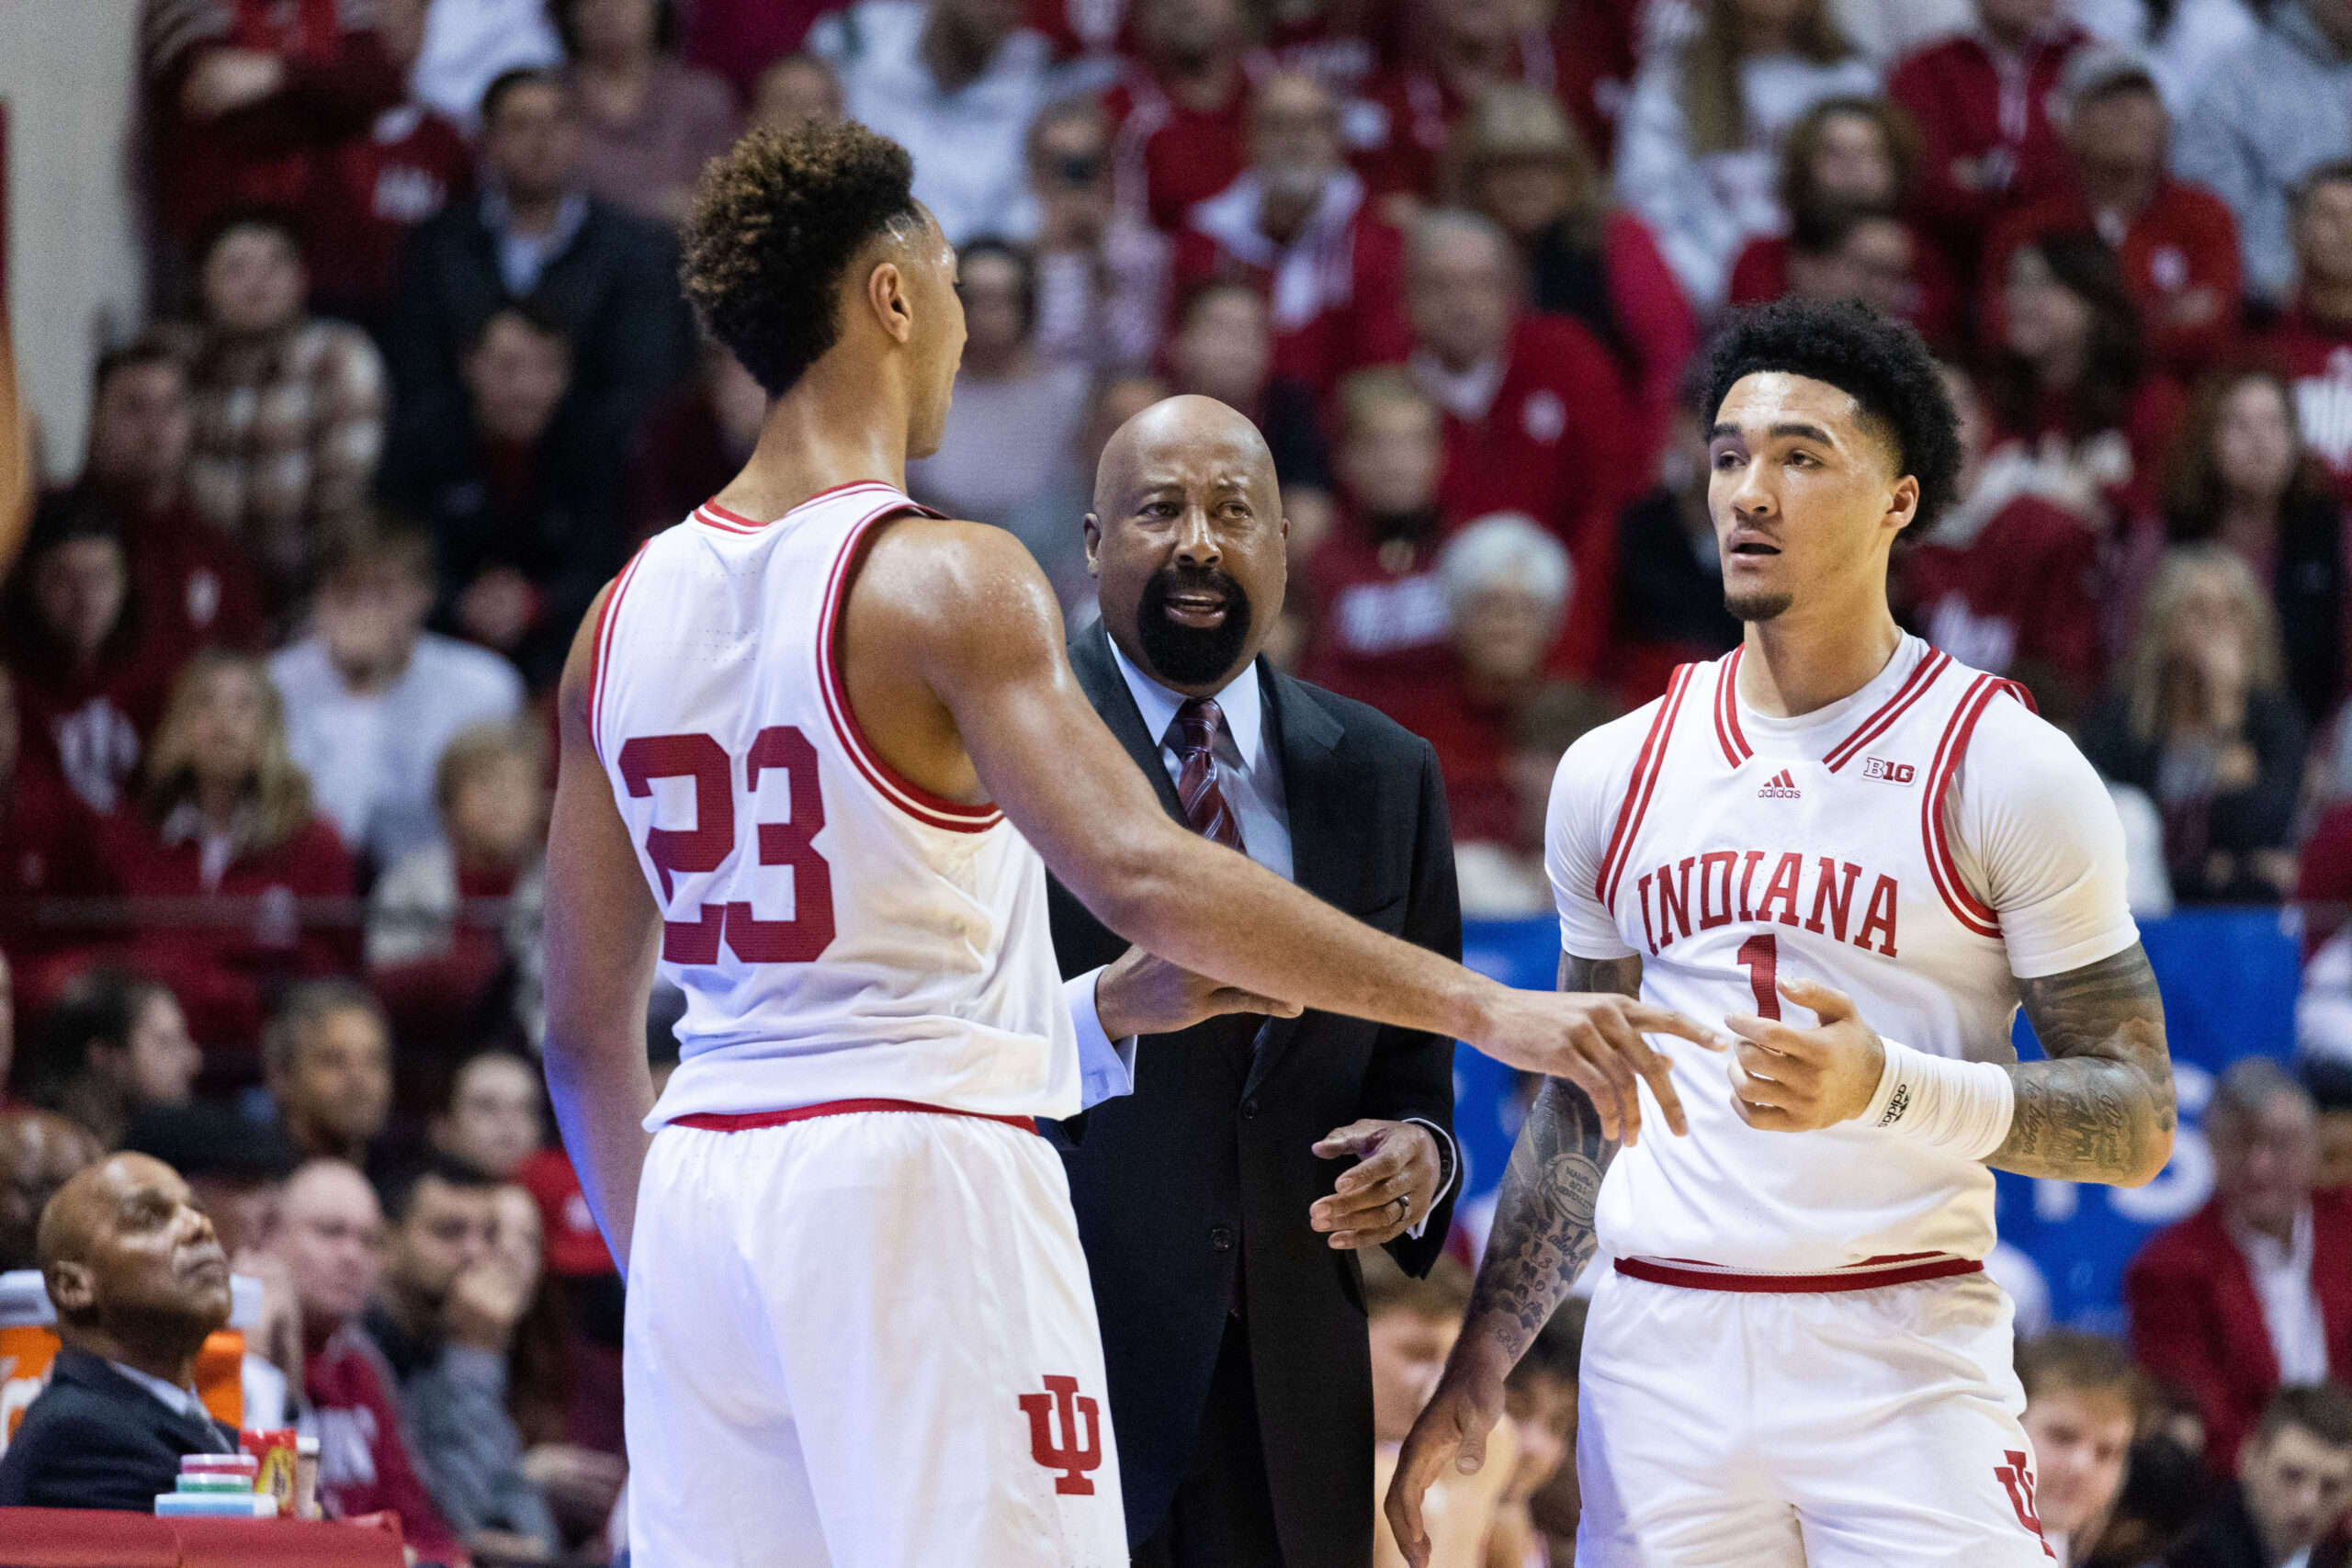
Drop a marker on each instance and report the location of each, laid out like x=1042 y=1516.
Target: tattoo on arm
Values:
x=2101 y=1108
x=1544 y=1236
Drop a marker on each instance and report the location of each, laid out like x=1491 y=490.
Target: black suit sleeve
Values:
x=1411 y=1073
x=82 y=1454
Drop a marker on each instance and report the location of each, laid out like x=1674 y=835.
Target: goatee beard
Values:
x=1191 y=656
x=1756 y=606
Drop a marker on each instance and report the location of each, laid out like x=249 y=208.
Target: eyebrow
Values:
x=1787 y=430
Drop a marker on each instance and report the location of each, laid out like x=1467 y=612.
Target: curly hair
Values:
x=1883 y=365
x=773 y=223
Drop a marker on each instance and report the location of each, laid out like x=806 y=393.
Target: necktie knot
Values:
x=1196 y=724
x=1205 y=804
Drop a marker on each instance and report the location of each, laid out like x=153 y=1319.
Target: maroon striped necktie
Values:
x=1205 y=804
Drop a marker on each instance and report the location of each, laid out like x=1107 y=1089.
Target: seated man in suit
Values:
x=1221 y=1201
x=138 y=1281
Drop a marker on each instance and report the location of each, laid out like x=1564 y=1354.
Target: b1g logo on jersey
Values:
x=1892 y=772
x=1073 y=1457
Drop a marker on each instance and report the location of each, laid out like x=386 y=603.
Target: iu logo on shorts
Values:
x=1073 y=1458
x=2018 y=1479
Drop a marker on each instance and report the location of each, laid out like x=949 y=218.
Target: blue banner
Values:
x=2228 y=978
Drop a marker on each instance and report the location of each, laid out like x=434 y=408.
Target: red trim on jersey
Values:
x=602 y=653
x=744 y=1122
x=1734 y=743
x=717 y=516
x=1915 y=686
x=1967 y=908
x=932 y=810
x=1641 y=786
x=2017 y=689
x=1866 y=1275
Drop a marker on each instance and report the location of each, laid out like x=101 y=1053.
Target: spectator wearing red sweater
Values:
x=90 y=683
x=1700 y=150
x=2241 y=476
x=2068 y=387
x=1517 y=160
x=196 y=587
x=368 y=191
x=2176 y=244
x=52 y=846
x=225 y=831
x=2007 y=581
x=446 y=921
x=1378 y=612
x=647 y=121
x=241 y=95
x=1181 y=115
x=2313 y=344
x=2253 y=1292
x=1412 y=109
x=1981 y=102
x=1297 y=224
x=1535 y=419
x=330 y=1237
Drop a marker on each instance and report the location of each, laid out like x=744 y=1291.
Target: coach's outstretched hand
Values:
x=1593 y=1039
x=1787 y=1079
x=1453 y=1429
x=1140 y=993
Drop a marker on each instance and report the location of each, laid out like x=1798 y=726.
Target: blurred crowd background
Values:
x=409 y=375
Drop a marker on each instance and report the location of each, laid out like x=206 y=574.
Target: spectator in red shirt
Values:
x=51 y=847
x=241 y=95
x=1535 y=419
x=331 y=1238
x=1981 y=101
x=647 y=122
x=2176 y=244
x=1295 y=225
x=1378 y=613
x=1180 y=116
x=2241 y=476
x=2007 y=581
x=191 y=582
x=1858 y=152
x=2313 y=343
x=1470 y=46
x=367 y=192
x=741 y=41
x=226 y=819
x=1517 y=160
x=90 y=683
x=1858 y=253
x=2068 y=386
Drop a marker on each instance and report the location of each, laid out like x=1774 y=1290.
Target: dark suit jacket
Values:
x=1198 y=1184
x=2196 y=1322
x=2226 y=1537
x=96 y=1439
x=617 y=282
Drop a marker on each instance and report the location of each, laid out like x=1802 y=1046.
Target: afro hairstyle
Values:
x=774 y=224
x=1883 y=365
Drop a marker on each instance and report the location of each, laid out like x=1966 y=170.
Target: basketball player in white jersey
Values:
x=1862 y=856
x=811 y=736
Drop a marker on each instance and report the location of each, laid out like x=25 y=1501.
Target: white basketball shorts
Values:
x=1845 y=1430
x=865 y=1340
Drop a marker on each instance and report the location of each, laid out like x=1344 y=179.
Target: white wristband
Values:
x=1960 y=1106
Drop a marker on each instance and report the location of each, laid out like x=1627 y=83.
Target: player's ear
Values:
x=885 y=296
x=1903 y=504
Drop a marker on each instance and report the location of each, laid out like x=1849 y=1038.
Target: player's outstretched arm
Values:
x=958 y=617
x=2101 y=1108
x=1543 y=1239
x=602 y=935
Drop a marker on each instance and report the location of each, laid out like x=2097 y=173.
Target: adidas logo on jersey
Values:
x=1779 y=786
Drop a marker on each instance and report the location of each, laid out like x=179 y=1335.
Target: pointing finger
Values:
x=1662 y=1021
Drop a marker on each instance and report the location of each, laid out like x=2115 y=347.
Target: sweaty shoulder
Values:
x=2034 y=831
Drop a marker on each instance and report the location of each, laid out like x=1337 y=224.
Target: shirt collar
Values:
x=182 y=1400
x=1240 y=702
x=1466 y=395
x=2264 y=1251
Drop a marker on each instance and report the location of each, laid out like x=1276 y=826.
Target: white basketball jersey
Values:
x=1731 y=851
x=840 y=933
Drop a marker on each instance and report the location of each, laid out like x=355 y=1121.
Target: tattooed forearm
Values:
x=1543 y=1236
x=2101 y=1108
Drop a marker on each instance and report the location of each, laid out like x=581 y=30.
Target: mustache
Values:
x=1170 y=580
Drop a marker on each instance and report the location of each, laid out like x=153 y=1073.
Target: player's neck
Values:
x=1797 y=663
x=823 y=433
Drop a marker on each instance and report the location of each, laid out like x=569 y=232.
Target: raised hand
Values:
x=1594 y=1041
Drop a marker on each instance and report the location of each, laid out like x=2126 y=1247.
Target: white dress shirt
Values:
x=179 y=1401
x=2283 y=1283
x=1249 y=773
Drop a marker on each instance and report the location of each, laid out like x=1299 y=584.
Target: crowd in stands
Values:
x=276 y=661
